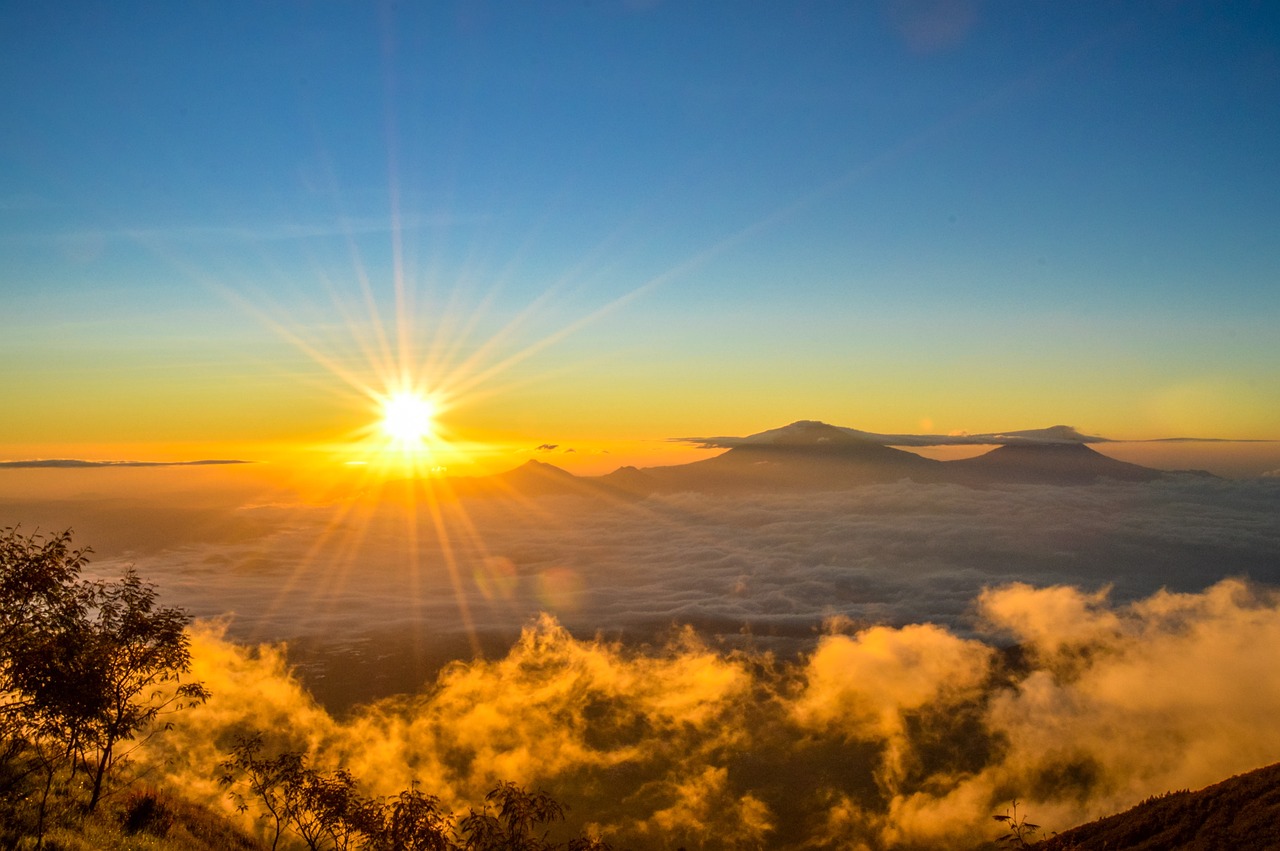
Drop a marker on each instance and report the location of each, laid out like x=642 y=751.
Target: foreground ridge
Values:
x=1241 y=813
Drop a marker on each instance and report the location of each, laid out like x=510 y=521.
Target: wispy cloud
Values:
x=810 y=430
x=1053 y=435
x=77 y=463
x=24 y=202
x=256 y=233
x=284 y=231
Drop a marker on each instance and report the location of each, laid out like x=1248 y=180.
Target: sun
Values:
x=408 y=418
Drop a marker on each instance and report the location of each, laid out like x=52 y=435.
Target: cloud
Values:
x=888 y=664
x=808 y=431
x=761 y=571
x=74 y=463
x=927 y=26
x=1054 y=435
x=22 y=202
x=278 y=231
x=861 y=684
x=910 y=735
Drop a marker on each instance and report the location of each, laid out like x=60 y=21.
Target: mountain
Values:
x=534 y=479
x=1052 y=434
x=813 y=456
x=1047 y=463
x=631 y=480
x=1241 y=814
x=805 y=455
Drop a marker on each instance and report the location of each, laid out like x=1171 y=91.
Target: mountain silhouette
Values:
x=802 y=430
x=1052 y=434
x=631 y=480
x=808 y=455
x=805 y=455
x=535 y=479
x=1047 y=463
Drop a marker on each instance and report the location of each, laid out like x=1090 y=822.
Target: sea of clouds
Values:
x=764 y=569
x=886 y=666
x=904 y=737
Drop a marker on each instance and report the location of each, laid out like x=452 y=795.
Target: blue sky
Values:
x=980 y=215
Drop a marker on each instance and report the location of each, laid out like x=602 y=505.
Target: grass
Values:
x=146 y=819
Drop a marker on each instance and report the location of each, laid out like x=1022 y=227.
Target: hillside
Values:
x=1240 y=814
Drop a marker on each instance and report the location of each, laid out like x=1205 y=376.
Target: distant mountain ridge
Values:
x=808 y=455
x=803 y=429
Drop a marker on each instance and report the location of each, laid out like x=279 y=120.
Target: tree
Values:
x=276 y=782
x=412 y=821
x=326 y=811
x=38 y=580
x=511 y=827
x=89 y=664
x=323 y=808
x=332 y=810
x=132 y=650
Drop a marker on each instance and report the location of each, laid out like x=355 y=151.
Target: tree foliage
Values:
x=411 y=821
x=37 y=582
x=326 y=811
x=37 y=592
x=510 y=820
x=86 y=667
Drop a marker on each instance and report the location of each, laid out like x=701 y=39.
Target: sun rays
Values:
x=406 y=366
x=406 y=354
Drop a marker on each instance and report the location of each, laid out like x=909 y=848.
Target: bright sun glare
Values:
x=407 y=418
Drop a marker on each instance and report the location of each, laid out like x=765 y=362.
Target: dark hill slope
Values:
x=1240 y=814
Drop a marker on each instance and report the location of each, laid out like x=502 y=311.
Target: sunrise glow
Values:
x=759 y=425
x=407 y=419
